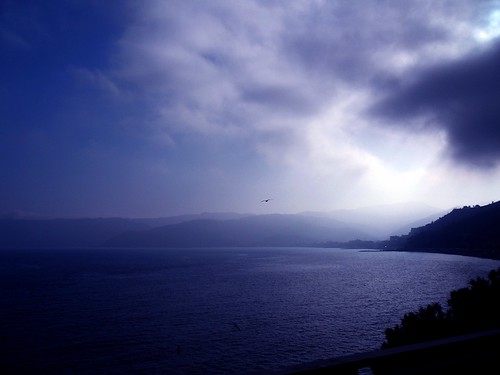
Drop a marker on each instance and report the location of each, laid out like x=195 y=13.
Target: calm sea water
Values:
x=209 y=311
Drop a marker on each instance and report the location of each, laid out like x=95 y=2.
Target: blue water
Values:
x=209 y=311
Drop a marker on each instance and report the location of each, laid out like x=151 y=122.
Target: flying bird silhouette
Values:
x=266 y=200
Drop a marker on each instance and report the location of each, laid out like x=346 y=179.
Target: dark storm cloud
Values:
x=462 y=98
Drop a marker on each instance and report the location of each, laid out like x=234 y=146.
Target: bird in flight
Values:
x=266 y=200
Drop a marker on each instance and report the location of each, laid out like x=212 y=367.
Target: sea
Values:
x=209 y=311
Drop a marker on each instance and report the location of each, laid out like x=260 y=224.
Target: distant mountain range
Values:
x=214 y=229
x=471 y=230
x=386 y=220
x=259 y=230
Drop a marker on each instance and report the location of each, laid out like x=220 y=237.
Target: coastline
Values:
x=492 y=254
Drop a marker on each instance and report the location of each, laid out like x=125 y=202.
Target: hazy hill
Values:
x=210 y=229
x=259 y=230
x=383 y=221
x=469 y=229
x=161 y=221
x=406 y=228
x=23 y=231
x=29 y=233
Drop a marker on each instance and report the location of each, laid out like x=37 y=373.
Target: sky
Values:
x=163 y=107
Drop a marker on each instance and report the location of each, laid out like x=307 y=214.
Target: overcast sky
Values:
x=156 y=108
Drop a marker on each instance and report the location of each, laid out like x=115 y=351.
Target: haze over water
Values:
x=210 y=311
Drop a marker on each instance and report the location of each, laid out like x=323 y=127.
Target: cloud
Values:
x=212 y=67
x=290 y=82
x=460 y=98
x=256 y=67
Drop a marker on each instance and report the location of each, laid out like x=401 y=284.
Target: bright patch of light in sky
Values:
x=492 y=28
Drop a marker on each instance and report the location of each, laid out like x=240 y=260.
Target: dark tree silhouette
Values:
x=428 y=323
x=469 y=310
x=477 y=307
